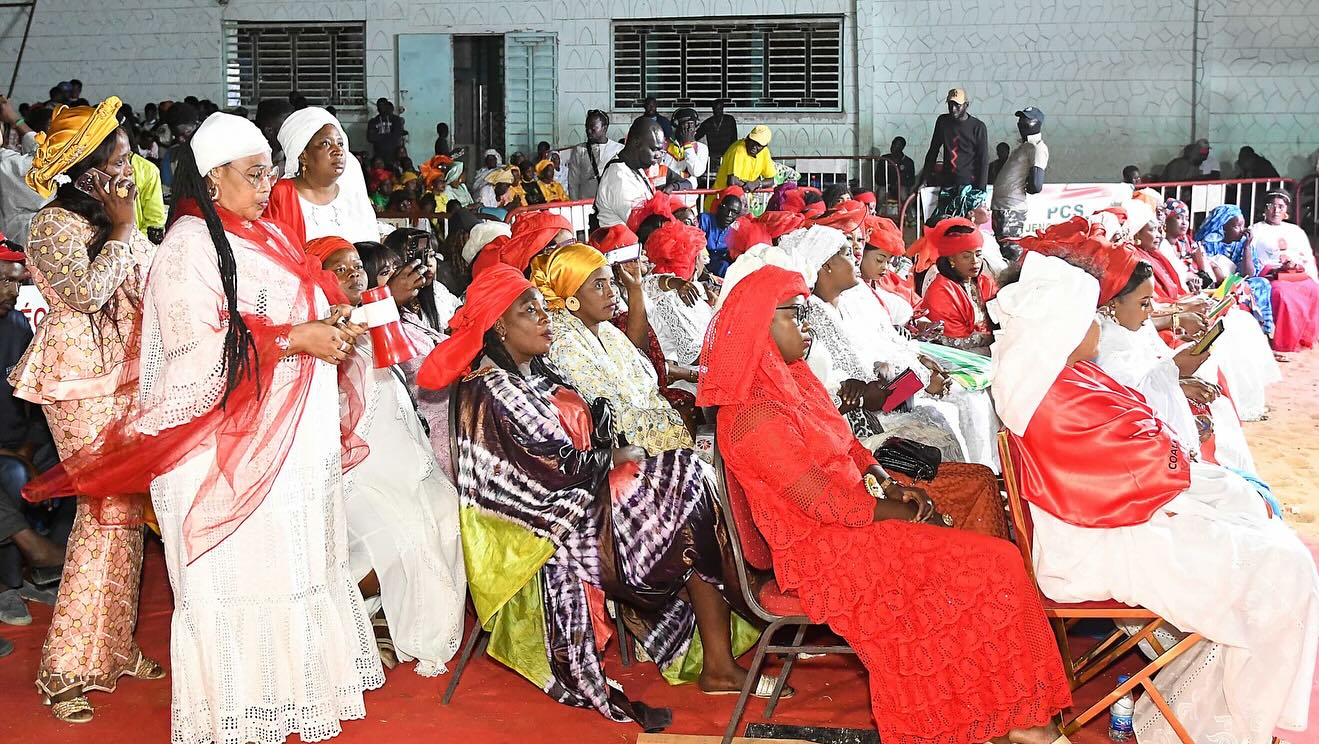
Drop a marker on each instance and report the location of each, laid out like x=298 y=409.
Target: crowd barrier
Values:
x=1203 y=196
x=578 y=212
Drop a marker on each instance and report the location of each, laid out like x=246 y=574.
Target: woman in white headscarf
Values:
x=323 y=192
x=1121 y=513
x=241 y=440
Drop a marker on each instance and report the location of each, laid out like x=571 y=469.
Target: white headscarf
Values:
x=1043 y=317
x=224 y=138
x=755 y=257
x=481 y=235
x=1139 y=214
x=811 y=248
x=298 y=130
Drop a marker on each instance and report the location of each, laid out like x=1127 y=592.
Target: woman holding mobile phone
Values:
x=90 y=263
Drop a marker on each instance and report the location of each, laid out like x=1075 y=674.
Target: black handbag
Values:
x=919 y=461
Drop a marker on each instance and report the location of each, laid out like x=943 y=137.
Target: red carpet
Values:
x=492 y=705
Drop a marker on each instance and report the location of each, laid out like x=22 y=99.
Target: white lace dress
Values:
x=269 y=636
x=680 y=329
x=403 y=523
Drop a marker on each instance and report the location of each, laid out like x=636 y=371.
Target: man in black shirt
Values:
x=651 y=112
x=896 y=168
x=965 y=145
x=720 y=132
x=385 y=132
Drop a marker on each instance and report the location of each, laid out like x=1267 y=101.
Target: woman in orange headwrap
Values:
x=90 y=263
x=958 y=295
x=557 y=516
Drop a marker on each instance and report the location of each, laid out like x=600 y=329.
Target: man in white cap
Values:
x=965 y=145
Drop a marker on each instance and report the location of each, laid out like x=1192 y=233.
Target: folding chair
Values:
x=1062 y=615
x=769 y=603
x=477 y=637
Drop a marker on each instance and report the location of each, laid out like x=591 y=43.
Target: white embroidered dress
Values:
x=269 y=636
x=403 y=523
x=679 y=328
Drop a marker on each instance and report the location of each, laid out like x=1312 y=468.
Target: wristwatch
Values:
x=878 y=488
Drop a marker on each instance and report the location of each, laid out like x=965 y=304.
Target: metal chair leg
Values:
x=624 y=637
x=469 y=649
x=752 y=675
x=784 y=672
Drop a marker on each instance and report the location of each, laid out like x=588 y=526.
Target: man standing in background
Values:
x=1022 y=173
x=589 y=159
x=965 y=145
x=385 y=132
x=719 y=132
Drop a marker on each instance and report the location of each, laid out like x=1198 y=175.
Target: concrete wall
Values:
x=1121 y=80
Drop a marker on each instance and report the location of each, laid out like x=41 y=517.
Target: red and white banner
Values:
x=1058 y=202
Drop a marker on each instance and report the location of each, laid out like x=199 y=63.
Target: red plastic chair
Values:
x=1081 y=669
x=768 y=603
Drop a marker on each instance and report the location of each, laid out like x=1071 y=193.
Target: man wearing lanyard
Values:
x=624 y=184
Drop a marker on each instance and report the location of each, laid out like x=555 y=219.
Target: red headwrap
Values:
x=739 y=351
x=885 y=240
x=673 y=248
x=728 y=191
x=614 y=239
x=490 y=294
x=14 y=256
x=814 y=209
x=321 y=248
x=1085 y=246
x=779 y=224
x=846 y=216
x=532 y=233
x=867 y=197
x=745 y=233
x=661 y=204
x=936 y=241
x=794 y=201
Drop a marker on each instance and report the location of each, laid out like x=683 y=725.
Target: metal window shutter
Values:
x=773 y=62
x=326 y=62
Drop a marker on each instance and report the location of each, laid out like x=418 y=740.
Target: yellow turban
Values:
x=761 y=134
x=72 y=135
x=561 y=272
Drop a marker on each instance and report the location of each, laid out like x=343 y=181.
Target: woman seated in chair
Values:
x=1120 y=513
x=403 y=544
x=556 y=518
x=957 y=296
x=595 y=357
x=946 y=621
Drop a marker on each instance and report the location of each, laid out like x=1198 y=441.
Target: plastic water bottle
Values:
x=1119 y=715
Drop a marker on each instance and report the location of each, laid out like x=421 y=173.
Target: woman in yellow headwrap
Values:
x=596 y=357
x=90 y=263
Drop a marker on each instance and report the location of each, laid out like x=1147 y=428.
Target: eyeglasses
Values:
x=259 y=175
x=798 y=313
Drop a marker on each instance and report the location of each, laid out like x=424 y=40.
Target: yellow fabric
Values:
x=150 y=207
x=72 y=135
x=738 y=163
x=553 y=191
x=561 y=272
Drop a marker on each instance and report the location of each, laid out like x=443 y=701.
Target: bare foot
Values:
x=723 y=679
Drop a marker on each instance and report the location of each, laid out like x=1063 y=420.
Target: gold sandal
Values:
x=74 y=710
x=147 y=669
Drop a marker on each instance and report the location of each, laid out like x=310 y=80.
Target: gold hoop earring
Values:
x=214 y=193
x=573 y=304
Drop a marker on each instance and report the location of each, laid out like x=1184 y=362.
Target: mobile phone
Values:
x=419 y=248
x=900 y=390
x=93 y=182
x=1206 y=341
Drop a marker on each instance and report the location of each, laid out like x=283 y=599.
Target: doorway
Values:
x=478 y=96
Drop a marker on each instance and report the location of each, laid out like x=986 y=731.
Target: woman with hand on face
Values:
x=323 y=191
x=557 y=516
x=864 y=553
x=237 y=433
x=402 y=510
x=594 y=356
x=90 y=263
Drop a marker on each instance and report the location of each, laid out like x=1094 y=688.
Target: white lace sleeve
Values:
x=182 y=374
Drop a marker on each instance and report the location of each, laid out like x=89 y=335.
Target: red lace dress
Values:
x=946 y=621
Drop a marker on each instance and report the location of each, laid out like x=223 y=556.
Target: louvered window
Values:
x=757 y=63
x=326 y=62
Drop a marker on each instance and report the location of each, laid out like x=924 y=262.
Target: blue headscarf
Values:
x=1212 y=229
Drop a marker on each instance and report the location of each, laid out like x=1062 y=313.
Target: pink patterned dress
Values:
x=82 y=368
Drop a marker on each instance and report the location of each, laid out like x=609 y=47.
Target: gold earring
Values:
x=572 y=304
x=214 y=193
x=1107 y=311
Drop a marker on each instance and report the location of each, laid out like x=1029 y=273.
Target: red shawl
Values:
x=1168 y=287
x=947 y=301
x=1096 y=455
x=251 y=441
x=285 y=209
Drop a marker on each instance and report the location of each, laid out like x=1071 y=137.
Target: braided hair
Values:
x=240 y=354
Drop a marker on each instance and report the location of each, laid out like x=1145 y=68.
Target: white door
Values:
x=530 y=90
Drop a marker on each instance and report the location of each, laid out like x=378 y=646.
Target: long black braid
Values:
x=494 y=348
x=240 y=354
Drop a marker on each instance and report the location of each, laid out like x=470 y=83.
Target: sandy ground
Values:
x=1286 y=445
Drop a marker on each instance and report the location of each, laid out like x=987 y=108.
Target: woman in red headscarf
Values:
x=957 y=296
x=946 y=622
x=556 y=517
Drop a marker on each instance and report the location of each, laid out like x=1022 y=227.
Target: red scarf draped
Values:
x=1096 y=455
x=251 y=442
x=1167 y=285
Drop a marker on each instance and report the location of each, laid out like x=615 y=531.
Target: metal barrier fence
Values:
x=1305 y=206
x=578 y=212
x=1203 y=196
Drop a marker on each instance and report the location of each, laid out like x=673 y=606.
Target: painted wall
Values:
x=1121 y=80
